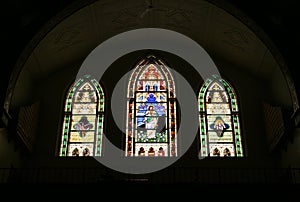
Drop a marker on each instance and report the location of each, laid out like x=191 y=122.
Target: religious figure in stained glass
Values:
x=151 y=118
x=151 y=93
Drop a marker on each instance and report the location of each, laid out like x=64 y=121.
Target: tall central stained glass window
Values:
x=83 y=119
x=151 y=120
x=220 y=133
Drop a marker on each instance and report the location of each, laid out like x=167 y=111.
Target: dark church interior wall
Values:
x=50 y=90
x=10 y=155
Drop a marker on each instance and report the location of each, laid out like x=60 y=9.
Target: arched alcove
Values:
x=241 y=51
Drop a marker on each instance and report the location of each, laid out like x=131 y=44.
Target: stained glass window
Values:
x=220 y=133
x=83 y=119
x=151 y=120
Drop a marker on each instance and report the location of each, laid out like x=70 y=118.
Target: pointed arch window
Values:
x=220 y=131
x=151 y=120
x=83 y=119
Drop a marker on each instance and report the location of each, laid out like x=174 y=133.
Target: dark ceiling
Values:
x=22 y=19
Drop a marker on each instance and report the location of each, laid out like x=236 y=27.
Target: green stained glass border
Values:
x=68 y=114
x=234 y=113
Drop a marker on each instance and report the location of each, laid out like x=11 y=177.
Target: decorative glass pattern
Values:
x=83 y=119
x=151 y=120
x=220 y=133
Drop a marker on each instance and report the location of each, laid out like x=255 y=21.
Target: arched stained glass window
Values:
x=83 y=119
x=220 y=133
x=151 y=120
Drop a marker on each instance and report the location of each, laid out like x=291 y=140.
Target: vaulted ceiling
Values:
x=219 y=33
x=71 y=35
